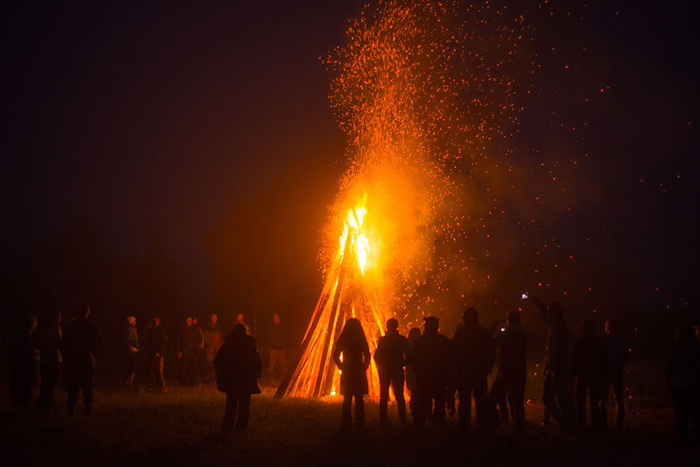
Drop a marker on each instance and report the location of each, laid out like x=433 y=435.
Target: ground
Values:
x=180 y=427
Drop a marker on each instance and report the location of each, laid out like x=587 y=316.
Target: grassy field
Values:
x=180 y=427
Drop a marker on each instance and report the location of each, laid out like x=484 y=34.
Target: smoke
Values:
x=426 y=94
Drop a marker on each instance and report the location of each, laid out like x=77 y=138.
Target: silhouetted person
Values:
x=430 y=358
x=213 y=339
x=157 y=340
x=200 y=363
x=557 y=393
x=132 y=349
x=351 y=355
x=50 y=357
x=512 y=366
x=451 y=390
x=189 y=341
x=391 y=357
x=23 y=363
x=413 y=335
x=503 y=411
x=238 y=367
x=683 y=375
x=616 y=354
x=81 y=340
x=474 y=354
x=589 y=363
x=276 y=337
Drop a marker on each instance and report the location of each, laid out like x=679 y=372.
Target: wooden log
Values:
x=292 y=369
x=325 y=356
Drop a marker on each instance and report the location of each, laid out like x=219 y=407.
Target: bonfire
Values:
x=420 y=89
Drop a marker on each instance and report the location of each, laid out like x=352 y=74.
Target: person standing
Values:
x=212 y=343
x=277 y=346
x=200 y=364
x=238 y=366
x=50 y=357
x=430 y=357
x=189 y=341
x=616 y=354
x=351 y=355
x=413 y=336
x=683 y=376
x=589 y=366
x=474 y=353
x=509 y=383
x=557 y=393
x=23 y=364
x=157 y=340
x=391 y=357
x=81 y=340
x=132 y=350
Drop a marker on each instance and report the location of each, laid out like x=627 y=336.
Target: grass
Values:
x=180 y=427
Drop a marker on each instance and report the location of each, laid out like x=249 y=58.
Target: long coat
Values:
x=356 y=359
x=238 y=366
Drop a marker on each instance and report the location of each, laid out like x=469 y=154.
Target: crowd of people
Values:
x=50 y=350
x=196 y=349
x=431 y=367
x=579 y=372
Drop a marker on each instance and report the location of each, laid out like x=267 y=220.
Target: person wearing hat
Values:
x=132 y=349
x=430 y=358
x=238 y=367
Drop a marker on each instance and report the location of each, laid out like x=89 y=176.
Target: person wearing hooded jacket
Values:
x=238 y=366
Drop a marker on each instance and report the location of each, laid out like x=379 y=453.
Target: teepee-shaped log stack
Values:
x=346 y=294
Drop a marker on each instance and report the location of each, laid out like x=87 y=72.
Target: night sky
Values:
x=177 y=128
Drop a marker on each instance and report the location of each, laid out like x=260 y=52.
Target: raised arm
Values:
x=540 y=306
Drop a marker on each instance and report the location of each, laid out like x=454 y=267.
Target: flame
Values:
x=420 y=89
x=353 y=230
x=347 y=293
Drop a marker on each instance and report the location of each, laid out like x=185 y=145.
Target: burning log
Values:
x=312 y=372
x=420 y=89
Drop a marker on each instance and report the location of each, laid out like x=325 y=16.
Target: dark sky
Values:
x=149 y=119
x=155 y=116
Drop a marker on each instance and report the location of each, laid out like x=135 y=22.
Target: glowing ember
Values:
x=421 y=90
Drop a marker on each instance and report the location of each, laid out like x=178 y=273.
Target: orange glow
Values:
x=353 y=230
x=346 y=294
x=419 y=95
